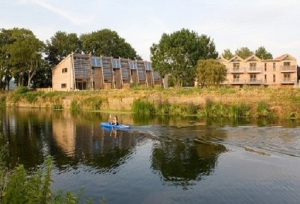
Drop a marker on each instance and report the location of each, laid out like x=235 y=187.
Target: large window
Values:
x=253 y=77
x=132 y=65
x=252 y=66
x=286 y=64
x=286 y=77
x=236 y=78
x=116 y=63
x=64 y=70
x=236 y=66
x=96 y=62
x=148 y=66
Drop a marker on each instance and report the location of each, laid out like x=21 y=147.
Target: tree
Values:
x=227 y=54
x=243 y=52
x=25 y=55
x=210 y=72
x=5 y=65
x=107 y=43
x=262 y=53
x=176 y=55
x=61 y=45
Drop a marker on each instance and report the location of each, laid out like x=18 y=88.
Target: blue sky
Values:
x=232 y=24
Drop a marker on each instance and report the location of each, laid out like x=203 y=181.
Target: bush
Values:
x=19 y=186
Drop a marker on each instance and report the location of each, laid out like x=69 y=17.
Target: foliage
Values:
x=262 y=53
x=262 y=109
x=21 y=90
x=227 y=54
x=210 y=72
x=176 y=54
x=60 y=46
x=107 y=43
x=19 y=186
x=244 y=52
x=239 y=110
x=143 y=107
x=75 y=106
x=24 y=52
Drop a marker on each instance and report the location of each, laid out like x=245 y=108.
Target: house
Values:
x=86 y=72
x=253 y=71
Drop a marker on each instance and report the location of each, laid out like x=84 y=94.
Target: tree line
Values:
x=183 y=55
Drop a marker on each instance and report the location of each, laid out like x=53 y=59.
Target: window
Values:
x=265 y=67
x=287 y=77
x=265 y=78
x=64 y=70
x=253 y=77
x=132 y=65
x=236 y=78
x=63 y=86
x=286 y=64
x=252 y=66
x=274 y=67
x=148 y=66
x=116 y=63
x=274 y=78
x=96 y=62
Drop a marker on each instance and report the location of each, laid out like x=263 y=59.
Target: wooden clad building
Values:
x=86 y=72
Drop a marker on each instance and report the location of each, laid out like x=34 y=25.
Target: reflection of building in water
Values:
x=64 y=133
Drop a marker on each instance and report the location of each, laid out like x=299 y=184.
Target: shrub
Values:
x=143 y=107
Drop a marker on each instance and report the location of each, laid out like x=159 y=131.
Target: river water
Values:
x=159 y=160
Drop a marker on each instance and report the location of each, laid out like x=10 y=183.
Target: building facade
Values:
x=86 y=72
x=280 y=71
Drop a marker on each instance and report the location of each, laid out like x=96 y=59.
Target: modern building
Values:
x=280 y=71
x=86 y=72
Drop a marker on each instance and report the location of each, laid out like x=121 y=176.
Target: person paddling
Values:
x=115 y=121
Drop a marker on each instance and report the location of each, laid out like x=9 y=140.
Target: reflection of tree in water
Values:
x=182 y=163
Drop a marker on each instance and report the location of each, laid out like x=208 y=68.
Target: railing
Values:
x=238 y=81
x=291 y=68
x=255 y=81
x=237 y=70
x=288 y=81
x=254 y=69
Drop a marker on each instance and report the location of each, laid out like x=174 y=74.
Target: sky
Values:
x=231 y=24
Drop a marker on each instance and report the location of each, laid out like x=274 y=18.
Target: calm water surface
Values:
x=160 y=160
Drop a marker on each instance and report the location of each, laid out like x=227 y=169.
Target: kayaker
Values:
x=115 y=121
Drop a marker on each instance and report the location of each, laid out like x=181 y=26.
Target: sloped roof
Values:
x=236 y=58
x=222 y=59
x=285 y=57
x=252 y=57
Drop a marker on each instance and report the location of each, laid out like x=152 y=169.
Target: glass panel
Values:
x=148 y=66
x=116 y=63
x=132 y=65
x=96 y=62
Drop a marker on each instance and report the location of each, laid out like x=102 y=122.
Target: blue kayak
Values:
x=110 y=126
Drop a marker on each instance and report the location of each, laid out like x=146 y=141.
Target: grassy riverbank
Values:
x=215 y=102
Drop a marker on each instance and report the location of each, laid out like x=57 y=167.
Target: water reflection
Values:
x=183 y=162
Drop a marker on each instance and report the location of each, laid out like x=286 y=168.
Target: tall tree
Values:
x=107 y=43
x=5 y=65
x=61 y=45
x=24 y=54
x=244 y=52
x=210 y=72
x=227 y=54
x=262 y=53
x=176 y=54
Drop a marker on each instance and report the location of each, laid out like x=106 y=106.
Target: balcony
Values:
x=254 y=69
x=237 y=81
x=255 y=81
x=236 y=70
x=288 y=80
x=291 y=68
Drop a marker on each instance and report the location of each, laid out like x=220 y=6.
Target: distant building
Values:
x=253 y=71
x=83 y=72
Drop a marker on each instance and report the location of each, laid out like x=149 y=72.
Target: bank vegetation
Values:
x=229 y=102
